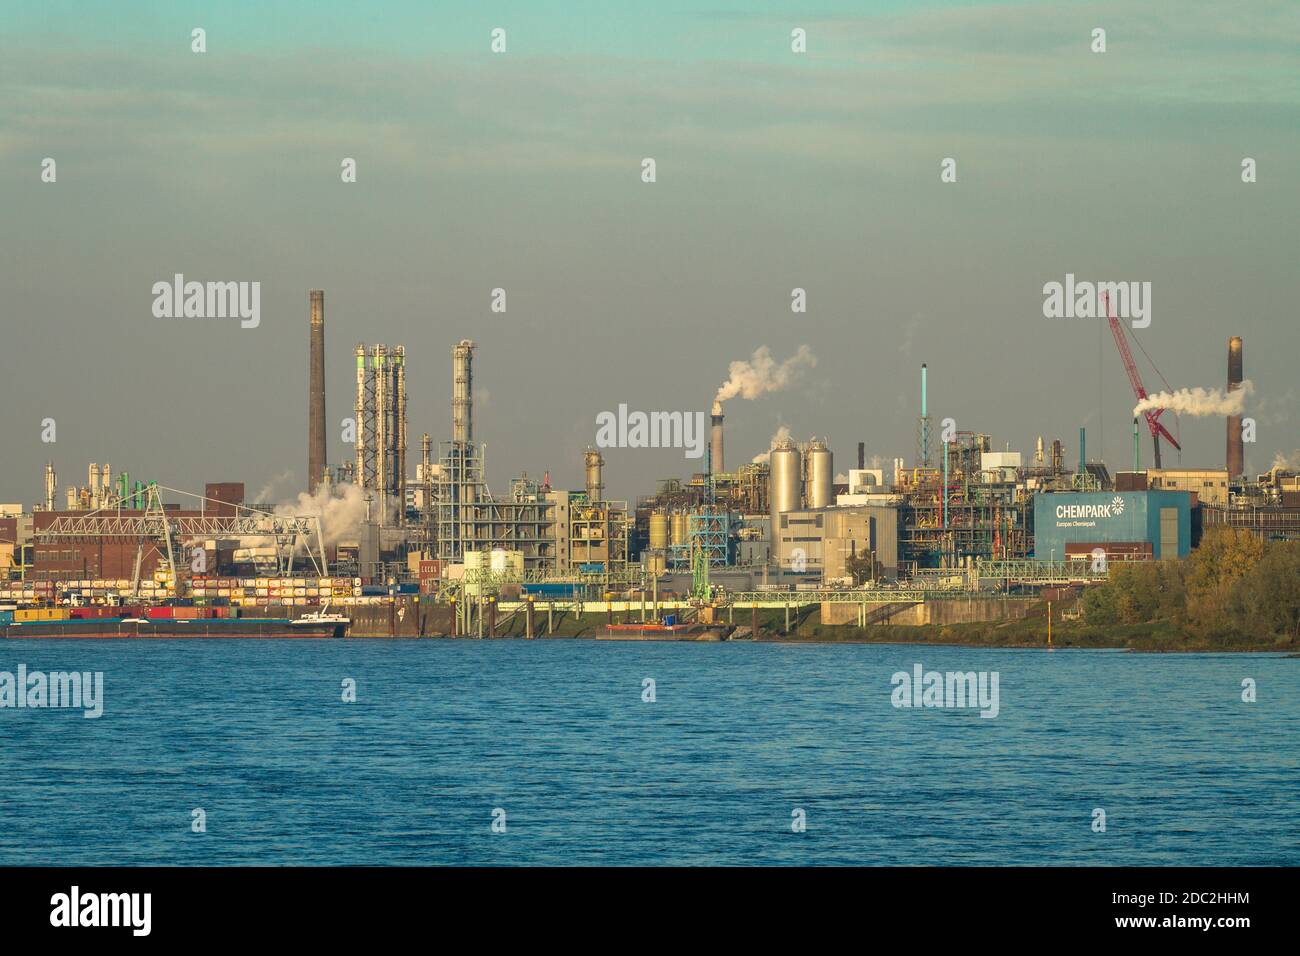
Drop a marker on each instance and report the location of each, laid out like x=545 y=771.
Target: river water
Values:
x=555 y=740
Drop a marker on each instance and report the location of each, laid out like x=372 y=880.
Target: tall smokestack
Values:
x=359 y=470
x=594 y=483
x=924 y=425
x=399 y=438
x=462 y=384
x=316 y=392
x=383 y=423
x=51 y=485
x=862 y=455
x=716 y=440
x=1236 y=449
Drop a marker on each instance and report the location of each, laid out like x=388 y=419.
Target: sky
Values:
x=522 y=170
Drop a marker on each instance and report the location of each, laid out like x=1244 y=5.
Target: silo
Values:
x=658 y=530
x=821 y=475
x=477 y=564
x=785 y=476
x=678 y=528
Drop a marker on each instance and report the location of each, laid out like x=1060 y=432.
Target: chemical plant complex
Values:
x=418 y=544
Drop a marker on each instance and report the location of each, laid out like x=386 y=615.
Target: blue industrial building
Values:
x=1066 y=522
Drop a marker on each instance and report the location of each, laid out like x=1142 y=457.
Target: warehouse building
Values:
x=1137 y=524
x=819 y=543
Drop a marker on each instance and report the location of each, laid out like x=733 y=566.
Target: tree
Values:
x=1266 y=601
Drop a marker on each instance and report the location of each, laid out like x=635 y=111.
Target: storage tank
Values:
x=678 y=526
x=658 y=530
x=821 y=475
x=476 y=563
x=784 y=480
x=508 y=562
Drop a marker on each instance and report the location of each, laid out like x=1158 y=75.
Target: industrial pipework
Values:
x=316 y=392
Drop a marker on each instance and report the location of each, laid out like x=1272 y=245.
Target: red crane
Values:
x=1152 y=415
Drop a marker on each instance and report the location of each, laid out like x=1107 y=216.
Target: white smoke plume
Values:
x=341 y=507
x=267 y=490
x=781 y=435
x=1199 y=402
x=1286 y=462
x=763 y=374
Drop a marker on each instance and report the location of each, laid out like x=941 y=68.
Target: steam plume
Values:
x=781 y=435
x=342 y=510
x=763 y=374
x=1199 y=402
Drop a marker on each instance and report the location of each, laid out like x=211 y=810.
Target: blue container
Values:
x=670 y=619
x=6 y=617
x=408 y=588
x=558 y=589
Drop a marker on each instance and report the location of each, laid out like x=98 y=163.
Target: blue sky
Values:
x=521 y=171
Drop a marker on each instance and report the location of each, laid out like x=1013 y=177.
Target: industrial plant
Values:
x=433 y=550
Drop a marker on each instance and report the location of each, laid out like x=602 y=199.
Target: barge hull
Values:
x=168 y=629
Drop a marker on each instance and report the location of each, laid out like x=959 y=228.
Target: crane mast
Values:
x=1152 y=416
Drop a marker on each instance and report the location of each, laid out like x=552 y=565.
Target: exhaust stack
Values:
x=399 y=435
x=715 y=443
x=316 y=392
x=462 y=383
x=359 y=477
x=1236 y=448
x=594 y=465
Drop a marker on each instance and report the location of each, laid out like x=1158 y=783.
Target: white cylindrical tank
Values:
x=506 y=561
x=784 y=477
x=821 y=475
x=477 y=563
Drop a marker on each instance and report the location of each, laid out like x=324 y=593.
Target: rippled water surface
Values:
x=556 y=734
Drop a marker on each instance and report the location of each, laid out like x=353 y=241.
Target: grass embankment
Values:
x=1031 y=631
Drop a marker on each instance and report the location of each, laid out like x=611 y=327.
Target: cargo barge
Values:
x=173 y=628
x=650 y=631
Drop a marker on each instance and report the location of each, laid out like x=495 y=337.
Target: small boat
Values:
x=323 y=618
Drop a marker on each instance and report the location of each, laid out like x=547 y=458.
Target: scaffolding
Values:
x=598 y=536
x=708 y=531
x=380 y=411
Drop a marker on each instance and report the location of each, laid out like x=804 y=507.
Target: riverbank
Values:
x=1032 y=633
x=1028 y=632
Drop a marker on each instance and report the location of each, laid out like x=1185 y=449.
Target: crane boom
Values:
x=1151 y=415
